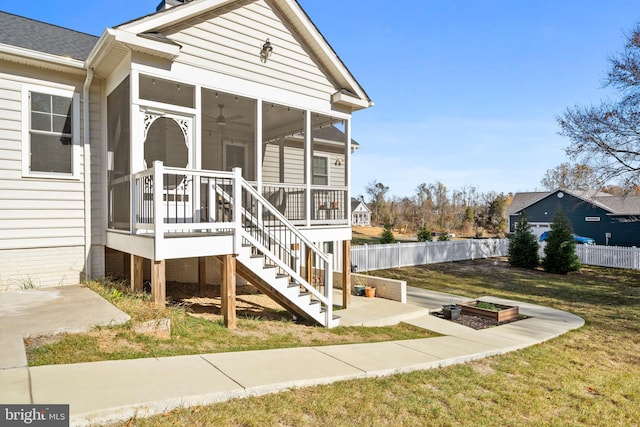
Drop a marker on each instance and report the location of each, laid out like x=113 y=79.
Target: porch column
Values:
x=346 y=273
x=158 y=283
x=228 y=290
x=136 y=264
x=202 y=273
x=308 y=176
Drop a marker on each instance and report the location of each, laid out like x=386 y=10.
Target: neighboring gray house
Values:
x=360 y=213
x=174 y=144
x=610 y=220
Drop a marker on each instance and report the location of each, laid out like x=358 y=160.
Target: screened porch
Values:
x=298 y=159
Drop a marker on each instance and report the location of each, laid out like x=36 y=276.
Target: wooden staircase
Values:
x=269 y=255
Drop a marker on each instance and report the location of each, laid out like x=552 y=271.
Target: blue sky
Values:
x=466 y=92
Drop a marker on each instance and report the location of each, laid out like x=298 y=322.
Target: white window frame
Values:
x=327 y=158
x=229 y=142
x=26 y=132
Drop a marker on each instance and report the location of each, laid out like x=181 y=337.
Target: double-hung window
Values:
x=50 y=133
x=320 y=170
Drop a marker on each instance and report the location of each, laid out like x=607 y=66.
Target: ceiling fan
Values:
x=221 y=120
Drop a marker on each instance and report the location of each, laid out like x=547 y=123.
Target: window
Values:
x=50 y=131
x=234 y=156
x=320 y=170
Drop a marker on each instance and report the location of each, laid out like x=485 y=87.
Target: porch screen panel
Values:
x=228 y=132
x=118 y=158
x=283 y=162
x=329 y=168
x=167 y=91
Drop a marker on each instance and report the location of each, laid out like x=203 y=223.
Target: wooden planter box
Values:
x=506 y=312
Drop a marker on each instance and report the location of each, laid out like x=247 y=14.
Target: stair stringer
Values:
x=282 y=289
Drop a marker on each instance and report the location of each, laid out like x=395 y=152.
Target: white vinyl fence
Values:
x=395 y=255
x=606 y=256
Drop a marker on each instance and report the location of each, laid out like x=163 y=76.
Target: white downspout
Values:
x=87 y=171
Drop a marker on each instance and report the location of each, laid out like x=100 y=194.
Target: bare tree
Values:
x=376 y=191
x=607 y=136
x=573 y=177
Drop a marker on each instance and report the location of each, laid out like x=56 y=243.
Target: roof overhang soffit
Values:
x=47 y=61
x=113 y=40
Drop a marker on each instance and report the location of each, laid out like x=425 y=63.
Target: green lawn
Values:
x=590 y=376
x=269 y=328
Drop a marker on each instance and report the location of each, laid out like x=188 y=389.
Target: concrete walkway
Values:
x=109 y=391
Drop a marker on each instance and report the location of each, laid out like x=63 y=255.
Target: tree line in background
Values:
x=434 y=209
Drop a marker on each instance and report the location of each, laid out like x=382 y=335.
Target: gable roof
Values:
x=349 y=92
x=615 y=205
x=355 y=203
x=46 y=38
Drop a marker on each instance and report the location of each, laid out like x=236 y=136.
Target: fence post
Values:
x=399 y=255
x=366 y=257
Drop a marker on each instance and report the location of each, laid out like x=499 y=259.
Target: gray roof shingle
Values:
x=46 y=38
x=617 y=205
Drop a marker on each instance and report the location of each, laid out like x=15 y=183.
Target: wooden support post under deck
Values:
x=202 y=273
x=309 y=267
x=158 y=283
x=346 y=273
x=228 y=290
x=136 y=264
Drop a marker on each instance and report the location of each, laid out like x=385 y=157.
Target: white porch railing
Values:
x=270 y=232
x=196 y=202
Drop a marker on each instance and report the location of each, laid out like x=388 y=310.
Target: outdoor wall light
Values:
x=266 y=51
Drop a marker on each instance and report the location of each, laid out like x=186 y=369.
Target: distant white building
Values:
x=360 y=213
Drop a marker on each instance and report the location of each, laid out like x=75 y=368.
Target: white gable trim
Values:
x=173 y=15
x=300 y=21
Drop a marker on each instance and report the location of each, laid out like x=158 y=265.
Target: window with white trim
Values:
x=320 y=170
x=50 y=132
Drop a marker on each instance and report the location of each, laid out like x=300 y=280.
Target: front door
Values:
x=169 y=138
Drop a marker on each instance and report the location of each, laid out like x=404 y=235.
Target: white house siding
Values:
x=41 y=220
x=294 y=165
x=229 y=41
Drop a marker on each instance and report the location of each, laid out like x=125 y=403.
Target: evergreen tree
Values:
x=560 y=252
x=387 y=235
x=523 y=246
x=443 y=237
x=424 y=235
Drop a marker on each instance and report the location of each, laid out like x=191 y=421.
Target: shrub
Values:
x=443 y=237
x=560 y=252
x=387 y=235
x=424 y=234
x=523 y=246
